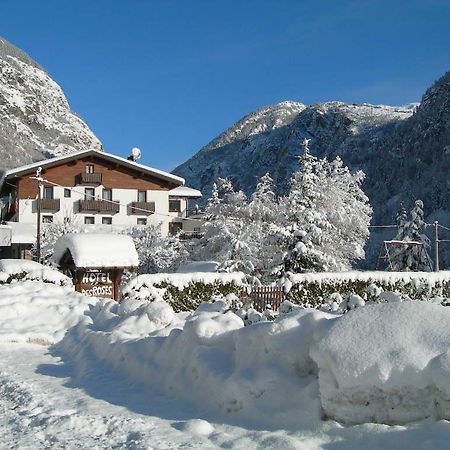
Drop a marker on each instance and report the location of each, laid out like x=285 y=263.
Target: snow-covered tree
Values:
x=157 y=253
x=411 y=257
x=227 y=229
x=326 y=217
x=50 y=233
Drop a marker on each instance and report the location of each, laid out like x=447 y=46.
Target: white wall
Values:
x=69 y=208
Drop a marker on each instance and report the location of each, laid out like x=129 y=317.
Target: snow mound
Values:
x=197 y=427
x=261 y=373
x=387 y=363
x=97 y=250
x=39 y=312
x=20 y=269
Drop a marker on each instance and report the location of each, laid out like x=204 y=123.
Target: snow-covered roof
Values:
x=22 y=233
x=185 y=191
x=108 y=156
x=97 y=250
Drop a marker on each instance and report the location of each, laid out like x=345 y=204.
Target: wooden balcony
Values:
x=91 y=179
x=142 y=208
x=98 y=206
x=50 y=204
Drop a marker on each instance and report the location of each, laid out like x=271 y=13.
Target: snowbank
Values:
x=182 y=280
x=262 y=373
x=370 y=276
x=387 y=363
x=20 y=269
x=97 y=250
x=39 y=312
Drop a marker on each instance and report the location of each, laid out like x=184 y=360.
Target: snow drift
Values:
x=387 y=363
x=369 y=365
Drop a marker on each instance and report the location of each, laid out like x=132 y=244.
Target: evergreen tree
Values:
x=411 y=257
x=326 y=217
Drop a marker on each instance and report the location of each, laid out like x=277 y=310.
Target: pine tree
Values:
x=326 y=217
x=411 y=257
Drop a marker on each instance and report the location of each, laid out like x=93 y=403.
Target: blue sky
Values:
x=168 y=76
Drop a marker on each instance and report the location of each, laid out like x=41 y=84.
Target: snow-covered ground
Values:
x=139 y=376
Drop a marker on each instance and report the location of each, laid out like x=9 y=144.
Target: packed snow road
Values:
x=42 y=406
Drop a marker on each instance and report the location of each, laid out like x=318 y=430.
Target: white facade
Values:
x=69 y=209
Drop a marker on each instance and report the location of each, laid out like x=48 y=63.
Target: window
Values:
x=174 y=205
x=175 y=227
x=107 y=194
x=89 y=193
x=48 y=191
x=89 y=168
x=89 y=220
x=142 y=221
x=106 y=220
x=142 y=196
x=47 y=219
x=67 y=193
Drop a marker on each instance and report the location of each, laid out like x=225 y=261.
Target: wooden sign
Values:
x=98 y=283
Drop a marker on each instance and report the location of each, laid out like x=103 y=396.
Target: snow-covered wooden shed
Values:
x=96 y=261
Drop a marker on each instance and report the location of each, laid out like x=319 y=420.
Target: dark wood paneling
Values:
x=114 y=176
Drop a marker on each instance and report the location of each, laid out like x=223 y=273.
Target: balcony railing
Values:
x=50 y=204
x=142 y=208
x=100 y=206
x=90 y=178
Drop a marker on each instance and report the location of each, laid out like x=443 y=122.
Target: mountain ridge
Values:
x=36 y=121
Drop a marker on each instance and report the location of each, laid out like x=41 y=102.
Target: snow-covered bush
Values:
x=185 y=291
x=157 y=253
x=12 y=270
x=321 y=289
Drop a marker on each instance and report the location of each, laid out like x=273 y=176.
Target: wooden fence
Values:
x=266 y=295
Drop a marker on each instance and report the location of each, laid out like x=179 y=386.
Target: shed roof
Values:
x=97 y=250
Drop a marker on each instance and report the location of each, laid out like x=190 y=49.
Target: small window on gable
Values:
x=90 y=168
x=175 y=205
x=89 y=220
x=47 y=219
x=48 y=192
x=67 y=193
x=141 y=221
x=142 y=196
x=106 y=220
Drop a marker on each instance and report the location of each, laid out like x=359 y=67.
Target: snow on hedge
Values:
x=374 y=276
x=20 y=269
x=39 y=312
x=387 y=363
x=182 y=280
x=97 y=250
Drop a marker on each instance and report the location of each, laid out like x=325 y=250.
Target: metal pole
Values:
x=38 y=230
x=436 y=247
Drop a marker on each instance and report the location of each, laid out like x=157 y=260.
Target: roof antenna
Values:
x=135 y=154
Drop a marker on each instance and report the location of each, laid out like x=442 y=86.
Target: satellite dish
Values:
x=136 y=153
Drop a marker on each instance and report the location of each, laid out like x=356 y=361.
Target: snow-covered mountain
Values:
x=269 y=140
x=35 y=118
x=404 y=151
